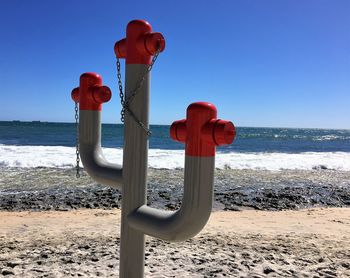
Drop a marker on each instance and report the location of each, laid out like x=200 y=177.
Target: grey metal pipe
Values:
x=91 y=153
x=195 y=209
x=135 y=160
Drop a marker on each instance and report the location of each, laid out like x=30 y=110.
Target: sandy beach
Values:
x=85 y=243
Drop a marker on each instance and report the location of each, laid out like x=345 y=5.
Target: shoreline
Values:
x=304 y=243
x=57 y=189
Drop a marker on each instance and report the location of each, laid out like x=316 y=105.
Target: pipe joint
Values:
x=140 y=43
x=201 y=131
x=91 y=93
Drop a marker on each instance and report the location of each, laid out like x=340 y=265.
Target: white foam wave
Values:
x=330 y=138
x=64 y=157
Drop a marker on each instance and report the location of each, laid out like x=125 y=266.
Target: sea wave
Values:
x=64 y=157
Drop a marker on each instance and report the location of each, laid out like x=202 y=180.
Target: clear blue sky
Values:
x=262 y=63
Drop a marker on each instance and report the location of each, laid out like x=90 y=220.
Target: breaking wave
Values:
x=64 y=157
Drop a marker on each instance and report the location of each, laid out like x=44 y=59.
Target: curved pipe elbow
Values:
x=170 y=226
x=99 y=168
x=91 y=154
x=195 y=209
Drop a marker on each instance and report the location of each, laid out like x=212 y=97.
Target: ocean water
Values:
x=42 y=144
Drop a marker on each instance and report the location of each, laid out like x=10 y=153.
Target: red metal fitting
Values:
x=75 y=94
x=178 y=131
x=140 y=43
x=91 y=94
x=120 y=49
x=152 y=42
x=101 y=94
x=201 y=131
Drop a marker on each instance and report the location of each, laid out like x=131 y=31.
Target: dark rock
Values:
x=68 y=260
x=268 y=270
x=7 y=272
x=86 y=246
x=38 y=270
x=13 y=264
x=345 y=265
x=44 y=255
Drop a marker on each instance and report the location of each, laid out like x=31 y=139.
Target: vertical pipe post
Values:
x=137 y=48
x=135 y=156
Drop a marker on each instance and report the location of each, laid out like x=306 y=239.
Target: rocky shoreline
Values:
x=44 y=189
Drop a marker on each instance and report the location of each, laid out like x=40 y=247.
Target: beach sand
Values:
x=85 y=243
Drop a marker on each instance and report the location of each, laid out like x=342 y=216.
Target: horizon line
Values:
x=277 y=127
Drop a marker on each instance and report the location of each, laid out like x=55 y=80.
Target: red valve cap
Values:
x=120 y=49
x=75 y=94
x=224 y=132
x=154 y=42
x=178 y=131
x=101 y=94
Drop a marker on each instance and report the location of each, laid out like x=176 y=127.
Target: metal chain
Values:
x=131 y=95
x=121 y=94
x=77 y=151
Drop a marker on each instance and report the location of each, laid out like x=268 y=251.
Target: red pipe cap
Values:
x=178 y=131
x=75 y=94
x=101 y=94
x=120 y=49
x=224 y=132
x=201 y=131
x=91 y=93
x=154 y=42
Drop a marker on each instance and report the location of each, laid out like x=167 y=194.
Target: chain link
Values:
x=131 y=95
x=77 y=151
